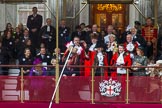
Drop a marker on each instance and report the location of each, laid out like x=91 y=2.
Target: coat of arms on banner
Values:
x=110 y=88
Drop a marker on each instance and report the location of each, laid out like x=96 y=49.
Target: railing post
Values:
x=127 y=87
x=56 y=81
x=92 y=92
x=57 y=59
x=22 y=86
x=161 y=90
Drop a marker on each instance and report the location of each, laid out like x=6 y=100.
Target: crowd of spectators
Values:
x=106 y=47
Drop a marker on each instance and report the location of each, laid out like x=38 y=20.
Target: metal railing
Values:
x=134 y=89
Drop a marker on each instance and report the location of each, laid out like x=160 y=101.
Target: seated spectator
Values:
x=8 y=28
x=4 y=59
x=27 y=44
x=54 y=57
x=44 y=57
x=26 y=59
x=9 y=43
x=21 y=27
x=139 y=60
x=38 y=70
x=37 y=84
x=53 y=60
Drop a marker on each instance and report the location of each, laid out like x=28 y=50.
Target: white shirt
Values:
x=100 y=58
x=120 y=59
x=130 y=47
x=79 y=48
x=48 y=28
x=106 y=39
x=111 y=48
x=92 y=47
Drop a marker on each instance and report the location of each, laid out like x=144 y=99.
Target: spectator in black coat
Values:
x=34 y=24
x=48 y=35
x=4 y=59
x=64 y=34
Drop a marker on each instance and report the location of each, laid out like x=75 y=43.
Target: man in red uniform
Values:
x=121 y=58
x=90 y=56
x=101 y=60
x=76 y=57
x=149 y=32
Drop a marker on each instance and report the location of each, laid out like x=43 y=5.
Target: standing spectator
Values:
x=76 y=57
x=137 y=25
x=149 y=32
x=64 y=33
x=48 y=35
x=94 y=31
x=111 y=47
x=103 y=34
x=91 y=52
x=34 y=24
x=130 y=46
x=138 y=38
x=100 y=60
x=82 y=25
x=121 y=58
x=110 y=29
x=78 y=32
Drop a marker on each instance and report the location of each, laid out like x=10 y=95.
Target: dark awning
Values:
x=21 y=1
x=110 y=1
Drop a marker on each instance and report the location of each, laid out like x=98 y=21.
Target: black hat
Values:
x=99 y=45
x=141 y=48
x=137 y=23
x=78 y=27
